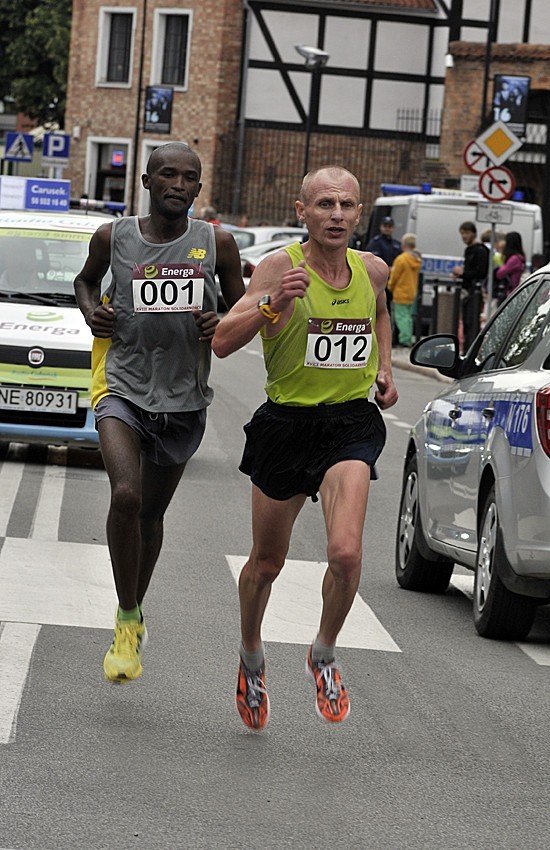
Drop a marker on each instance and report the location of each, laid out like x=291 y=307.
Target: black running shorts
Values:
x=289 y=449
x=167 y=439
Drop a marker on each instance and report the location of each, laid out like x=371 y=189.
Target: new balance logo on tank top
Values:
x=154 y=358
x=327 y=353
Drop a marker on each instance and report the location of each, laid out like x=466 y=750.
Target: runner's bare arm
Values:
x=386 y=393
x=87 y=284
x=275 y=277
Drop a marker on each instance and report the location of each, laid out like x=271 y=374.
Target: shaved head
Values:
x=335 y=171
x=158 y=157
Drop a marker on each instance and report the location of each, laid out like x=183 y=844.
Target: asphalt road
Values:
x=445 y=746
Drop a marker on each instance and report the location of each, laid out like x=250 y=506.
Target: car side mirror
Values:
x=440 y=351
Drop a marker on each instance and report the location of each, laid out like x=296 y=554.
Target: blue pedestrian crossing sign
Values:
x=19 y=147
x=55 y=149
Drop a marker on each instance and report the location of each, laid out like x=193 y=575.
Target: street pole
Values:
x=315 y=59
x=138 y=111
x=488 y=47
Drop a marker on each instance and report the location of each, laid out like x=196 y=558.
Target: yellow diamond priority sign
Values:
x=498 y=142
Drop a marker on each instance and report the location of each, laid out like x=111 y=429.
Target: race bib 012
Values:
x=167 y=288
x=338 y=343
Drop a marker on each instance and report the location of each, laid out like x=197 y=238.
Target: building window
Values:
x=120 y=41
x=115 y=46
x=171 y=48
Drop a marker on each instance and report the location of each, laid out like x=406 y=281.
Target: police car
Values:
x=476 y=480
x=45 y=345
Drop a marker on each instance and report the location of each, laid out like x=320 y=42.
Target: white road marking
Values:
x=464 y=583
x=294 y=609
x=56 y=583
x=10 y=479
x=17 y=642
x=45 y=524
x=537 y=652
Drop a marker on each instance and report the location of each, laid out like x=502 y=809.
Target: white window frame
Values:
x=103 y=37
x=159 y=32
x=92 y=158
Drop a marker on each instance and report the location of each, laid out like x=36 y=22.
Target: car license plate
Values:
x=33 y=399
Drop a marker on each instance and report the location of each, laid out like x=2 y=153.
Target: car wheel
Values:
x=416 y=567
x=498 y=613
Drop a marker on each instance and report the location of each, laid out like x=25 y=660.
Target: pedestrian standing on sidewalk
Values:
x=472 y=275
x=320 y=308
x=403 y=285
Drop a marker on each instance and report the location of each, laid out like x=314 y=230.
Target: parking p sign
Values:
x=55 y=149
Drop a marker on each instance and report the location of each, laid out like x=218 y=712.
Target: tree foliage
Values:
x=34 y=56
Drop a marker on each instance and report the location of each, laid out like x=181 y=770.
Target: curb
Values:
x=400 y=362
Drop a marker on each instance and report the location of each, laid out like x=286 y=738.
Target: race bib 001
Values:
x=338 y=343
x=167 y=288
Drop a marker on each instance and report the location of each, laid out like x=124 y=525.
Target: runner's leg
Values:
x=121 y=450
x=272 y=523
x=344 y=494
x=158 y=485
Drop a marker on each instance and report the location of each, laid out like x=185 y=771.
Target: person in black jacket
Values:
x=472 y=275
x=385 y=246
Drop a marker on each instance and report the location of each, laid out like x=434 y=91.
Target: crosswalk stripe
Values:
x=294 y=609
x=17 y=642
x=48 y=510
x=10 y=479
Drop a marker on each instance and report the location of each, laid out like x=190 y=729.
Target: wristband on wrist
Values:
x=265 y=309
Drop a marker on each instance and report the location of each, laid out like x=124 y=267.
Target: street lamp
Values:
x=315 y=59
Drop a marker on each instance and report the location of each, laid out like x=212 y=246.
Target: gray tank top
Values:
x=155 y=358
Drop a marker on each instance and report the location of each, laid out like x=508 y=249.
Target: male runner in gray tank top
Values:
x=152 y=325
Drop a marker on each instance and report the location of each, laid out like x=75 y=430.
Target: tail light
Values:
x=248 y=268
x=543 y=418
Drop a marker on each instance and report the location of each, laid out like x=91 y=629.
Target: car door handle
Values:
x=488 y=412
x=455 y=413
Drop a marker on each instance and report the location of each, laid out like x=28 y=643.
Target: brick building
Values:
x=398 y=95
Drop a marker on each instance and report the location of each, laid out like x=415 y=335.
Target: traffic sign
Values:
x=497 y=183
x=498 y=142
x=475 y=159
x=55 y=149
x=490 y=213
x=19 y=147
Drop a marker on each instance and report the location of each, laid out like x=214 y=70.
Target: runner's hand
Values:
x=102 y=321
x=294 y=284
x=386 y=394
x=206 y=323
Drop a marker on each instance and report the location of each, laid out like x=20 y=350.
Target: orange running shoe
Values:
x=332 y=703
x=252 y=699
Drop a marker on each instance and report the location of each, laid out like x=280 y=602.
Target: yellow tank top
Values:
x=327 y=353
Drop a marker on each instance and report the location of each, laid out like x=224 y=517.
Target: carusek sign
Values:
x=34 y=193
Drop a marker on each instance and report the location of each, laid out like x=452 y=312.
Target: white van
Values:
x=436 y=217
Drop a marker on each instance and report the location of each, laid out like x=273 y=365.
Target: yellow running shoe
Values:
x=122 y=663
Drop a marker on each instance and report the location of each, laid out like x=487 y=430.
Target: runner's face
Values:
x=331 y=210
x=174 y=183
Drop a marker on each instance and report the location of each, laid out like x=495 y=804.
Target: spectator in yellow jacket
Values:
x=403 y=284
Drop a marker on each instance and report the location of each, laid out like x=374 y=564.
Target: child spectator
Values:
x=403 y=284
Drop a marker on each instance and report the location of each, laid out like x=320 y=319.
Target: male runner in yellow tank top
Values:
x=321 y=312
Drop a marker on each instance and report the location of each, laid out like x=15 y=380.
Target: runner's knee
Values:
x=125 y=499
x=344 y=559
